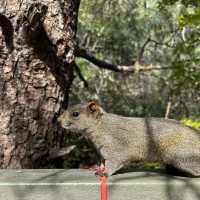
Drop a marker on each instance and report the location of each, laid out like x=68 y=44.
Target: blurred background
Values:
x=165 y=33
x=158 y=34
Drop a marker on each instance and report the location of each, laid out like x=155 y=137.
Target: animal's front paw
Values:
x=101 y=173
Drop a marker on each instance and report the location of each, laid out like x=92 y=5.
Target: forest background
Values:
x=136 y=58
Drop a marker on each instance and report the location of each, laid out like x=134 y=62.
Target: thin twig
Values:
x=80 y=75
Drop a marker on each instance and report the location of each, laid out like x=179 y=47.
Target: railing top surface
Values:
x=64 y=176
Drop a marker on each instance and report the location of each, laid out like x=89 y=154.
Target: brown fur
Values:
x=124 y=139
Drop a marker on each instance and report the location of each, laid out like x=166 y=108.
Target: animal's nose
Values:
x=68 y=123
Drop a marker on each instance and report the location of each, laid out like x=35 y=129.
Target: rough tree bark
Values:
x=37 y=45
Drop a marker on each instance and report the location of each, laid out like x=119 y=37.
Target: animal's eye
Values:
x=75 y=114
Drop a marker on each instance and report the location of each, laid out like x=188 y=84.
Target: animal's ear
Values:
x=93 y=106
x=94 y=109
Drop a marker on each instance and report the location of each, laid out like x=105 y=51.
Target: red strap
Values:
x=103 y=181
x=103 y=188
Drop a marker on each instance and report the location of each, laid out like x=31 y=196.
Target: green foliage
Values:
x=190 y=18
x=116 y=30
x=152 y=166
x=184 y=2
x=190 y=122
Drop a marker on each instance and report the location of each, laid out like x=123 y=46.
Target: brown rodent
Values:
x=121 y=140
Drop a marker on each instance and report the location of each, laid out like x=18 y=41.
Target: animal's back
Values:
x=122 y=139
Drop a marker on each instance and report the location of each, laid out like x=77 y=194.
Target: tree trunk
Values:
x=37 y=44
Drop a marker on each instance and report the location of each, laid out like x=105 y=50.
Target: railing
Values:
x=83 y=185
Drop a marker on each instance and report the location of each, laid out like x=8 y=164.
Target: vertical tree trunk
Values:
x=37 y=43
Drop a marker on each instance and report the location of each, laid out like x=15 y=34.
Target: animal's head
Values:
x=81 y=116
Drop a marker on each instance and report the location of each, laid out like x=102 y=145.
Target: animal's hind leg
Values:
x=190 y=165
x=112 y=166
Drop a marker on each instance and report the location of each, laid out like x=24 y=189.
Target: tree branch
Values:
x=141 y=52
x=161 y=44
x=56 y=153
x=80 y=75
x=117 y=68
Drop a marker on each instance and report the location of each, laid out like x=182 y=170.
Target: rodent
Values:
x=121 y=140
